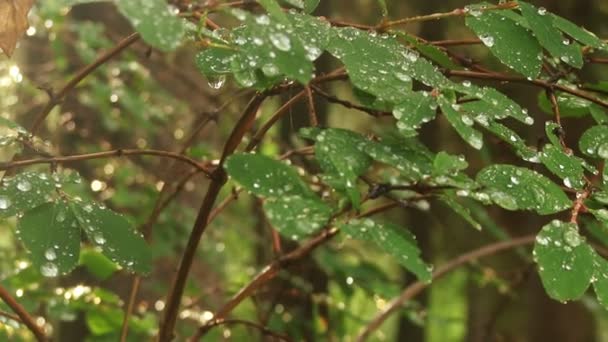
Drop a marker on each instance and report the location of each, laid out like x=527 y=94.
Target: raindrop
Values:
x=280 y=41
x=50 y=254
x=572 y=237
x=99 y=238
x=24 y=186
x=5 y=203
x=542 y=11
x=49 y=270
x=217 y=82
x=487 y=40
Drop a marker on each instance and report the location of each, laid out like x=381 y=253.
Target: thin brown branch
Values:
x=436 y=16
x=537 y=82
x=312 y=112
x=264 y=330
x=417 y=287
x=57 y=97
x=24 y=316
x=106 y=154
x=272 y=269
x=218 y=179
x=257 y=138
x=348 y=104
x=456 y=42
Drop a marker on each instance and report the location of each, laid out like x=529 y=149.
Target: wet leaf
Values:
x=518 y=188
x=296 y=217
x=511 y=43
x=114 y=235
x=542 y=25
x=565 y=261
x=155 y=22
x=52 y=236
x=392 y=239
x=264 y=176
x=594 y=142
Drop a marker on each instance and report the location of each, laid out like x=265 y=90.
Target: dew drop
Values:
x=24 y=186
x=542 y=11
x=49 y=270
x=280 y=41
x=50 y=254
x=217 y=82
x=5 y=203
x=487 y=40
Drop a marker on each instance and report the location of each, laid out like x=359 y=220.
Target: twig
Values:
x=417 y=287
x=312 y=113
x=106 y=154
x=257 y=138
x=348 y=104
x=218 y=179
x=57 y=97
x=264 y=330
x=272 y=269
x=536 y=82
x=436 y=16
x=24 y=316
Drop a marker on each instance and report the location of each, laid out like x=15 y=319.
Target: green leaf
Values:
x=97 y=264
x=594 y=142
x=414 y=109
x=600 y=285
x=511 y=43
x=412 y=164
x=429 y=51
x=104 y=320
x=516 y=188
x=296 y=217
x=464 y=212
x=216 y=61
x=307 y=6
x=492 y=104
x=115 y=235
x=264 y=176
x=392 y=239
x=51 y=235
x=565 y=260
x=267 y=49
x=510 y=137
x=383 y=8
x=273 y=8
x=598 y=114
x=542 y=25
x=380 y=65
x=462 y=123
x=567 y=167
x=569 y=106
x=578 y=33
x=337 y=152
x=25 y=191
x=155 y=22
x=446 y=164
